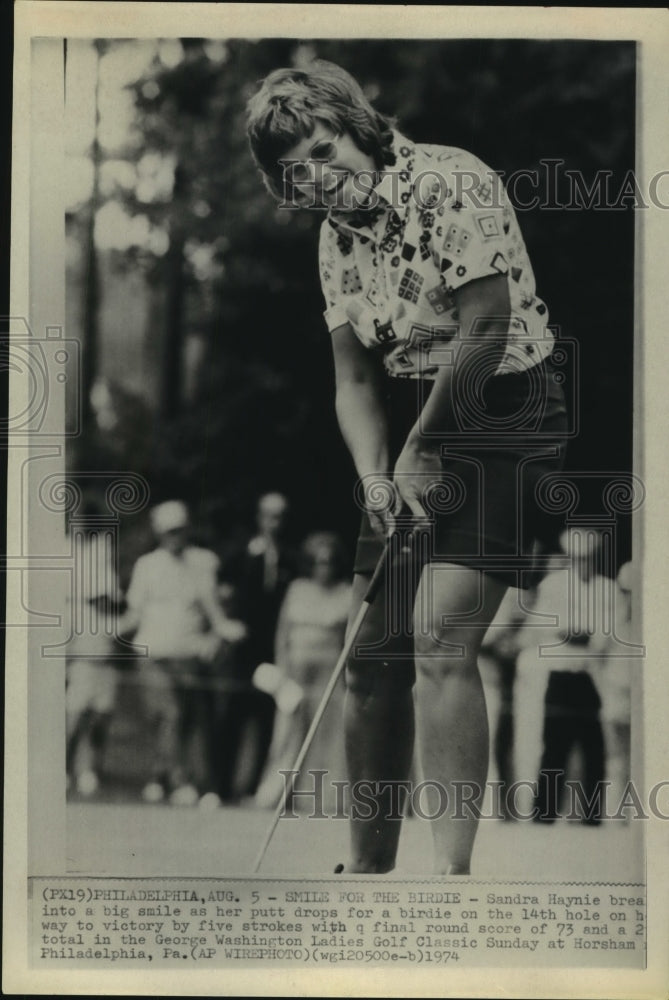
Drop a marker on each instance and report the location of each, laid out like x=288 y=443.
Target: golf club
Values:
x=353 y=631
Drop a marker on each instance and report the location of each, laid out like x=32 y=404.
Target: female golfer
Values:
x=450 y=409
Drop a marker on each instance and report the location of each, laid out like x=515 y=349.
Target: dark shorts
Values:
x=487 y=514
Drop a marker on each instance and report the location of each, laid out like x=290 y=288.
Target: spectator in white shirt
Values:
x=173 y=602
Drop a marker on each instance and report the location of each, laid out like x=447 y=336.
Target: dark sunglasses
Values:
x=323 y=152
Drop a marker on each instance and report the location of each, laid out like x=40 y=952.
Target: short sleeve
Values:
x=330 y=268
x=469 y=237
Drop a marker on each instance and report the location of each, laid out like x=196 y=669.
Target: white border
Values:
x=651 y=28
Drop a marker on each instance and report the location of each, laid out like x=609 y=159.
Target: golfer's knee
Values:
x=378 y=677
x=443 y=653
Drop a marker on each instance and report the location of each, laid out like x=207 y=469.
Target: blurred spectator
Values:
x=260 y=573
x=230 y=687
x=573 y=600
x=309 y=639
x=173 y=604
x=613 y=681
x=91 y=676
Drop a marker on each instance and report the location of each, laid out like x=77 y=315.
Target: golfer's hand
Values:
x=417 y=469
x=382 y=502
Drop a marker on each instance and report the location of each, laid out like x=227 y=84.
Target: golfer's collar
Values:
x=390 y=192
x=397 y=180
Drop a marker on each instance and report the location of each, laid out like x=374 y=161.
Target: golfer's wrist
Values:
x=422 y=445
x=371 y=467
x=377 y=493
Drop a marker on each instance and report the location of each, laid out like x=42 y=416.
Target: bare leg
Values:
x=379 y=726
x=454 y=606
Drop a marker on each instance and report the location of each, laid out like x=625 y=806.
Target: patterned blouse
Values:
x=439 y=218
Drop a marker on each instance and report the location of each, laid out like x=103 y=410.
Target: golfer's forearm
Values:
x=486 y=336
x=484 y=308
x=363 y=426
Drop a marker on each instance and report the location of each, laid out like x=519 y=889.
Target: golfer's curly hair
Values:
x=289 y=104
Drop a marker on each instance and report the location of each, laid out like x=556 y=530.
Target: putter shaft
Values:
x=353 y=631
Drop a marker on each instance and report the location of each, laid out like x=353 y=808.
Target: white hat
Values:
x=169 y=516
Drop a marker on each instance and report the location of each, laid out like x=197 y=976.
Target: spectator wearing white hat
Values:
x=173 y=603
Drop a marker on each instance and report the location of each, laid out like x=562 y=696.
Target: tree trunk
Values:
x=171 y=388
